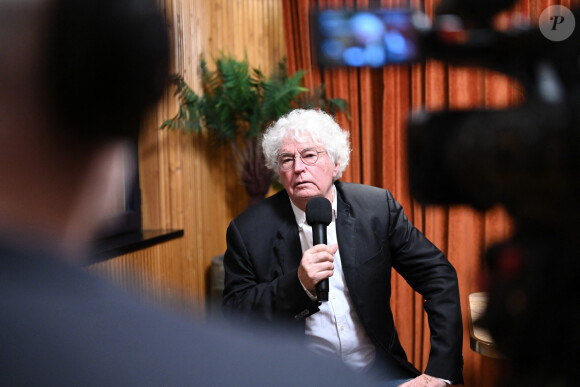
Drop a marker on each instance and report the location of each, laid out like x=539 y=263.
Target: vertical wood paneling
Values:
x=153 y=274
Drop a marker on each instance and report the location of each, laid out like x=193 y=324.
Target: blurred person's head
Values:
x=308 y=151
x=76 y=76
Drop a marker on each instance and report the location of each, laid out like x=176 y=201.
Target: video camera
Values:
x=526 y=158
x=519 y=157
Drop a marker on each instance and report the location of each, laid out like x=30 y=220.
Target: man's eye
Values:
x=309 y=155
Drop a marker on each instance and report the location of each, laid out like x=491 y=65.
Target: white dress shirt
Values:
x=335 y=330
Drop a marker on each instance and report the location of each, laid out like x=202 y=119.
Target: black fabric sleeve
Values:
x=430 y=273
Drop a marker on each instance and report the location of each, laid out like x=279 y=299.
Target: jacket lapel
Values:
x=346 y=236
x=287 y=246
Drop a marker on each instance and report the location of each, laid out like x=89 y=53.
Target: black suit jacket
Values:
x=374 y=236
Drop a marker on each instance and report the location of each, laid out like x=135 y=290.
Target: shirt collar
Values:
x=301 y=215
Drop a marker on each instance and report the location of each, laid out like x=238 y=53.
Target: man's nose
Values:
x=298 y=164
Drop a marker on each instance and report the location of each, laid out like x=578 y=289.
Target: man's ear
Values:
x=335 y=170
x=106 y=173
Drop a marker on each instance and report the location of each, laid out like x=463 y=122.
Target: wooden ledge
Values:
x=130 y=242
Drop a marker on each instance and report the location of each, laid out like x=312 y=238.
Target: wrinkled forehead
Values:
x=298 y=139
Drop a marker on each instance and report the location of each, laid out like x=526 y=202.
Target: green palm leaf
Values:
x=240 y=102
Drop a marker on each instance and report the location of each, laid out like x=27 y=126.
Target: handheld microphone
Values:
x=318 y=216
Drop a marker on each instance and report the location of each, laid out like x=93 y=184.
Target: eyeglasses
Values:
x=309 y=156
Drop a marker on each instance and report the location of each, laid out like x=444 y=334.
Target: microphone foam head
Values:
x=318 y=211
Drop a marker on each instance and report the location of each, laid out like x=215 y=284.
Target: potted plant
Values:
x=237 y=104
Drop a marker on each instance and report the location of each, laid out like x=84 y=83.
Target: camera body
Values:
x=525 y=158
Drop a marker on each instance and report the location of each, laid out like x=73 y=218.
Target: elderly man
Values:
x=272 y=267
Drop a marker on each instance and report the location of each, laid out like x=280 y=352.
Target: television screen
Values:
x=370 y=38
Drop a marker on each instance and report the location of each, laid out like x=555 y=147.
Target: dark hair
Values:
x=108 y=62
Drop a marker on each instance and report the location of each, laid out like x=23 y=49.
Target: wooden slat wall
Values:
x=185 y=183
x=158 y=274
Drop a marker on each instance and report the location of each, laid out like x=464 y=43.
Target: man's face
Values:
x=302 y=181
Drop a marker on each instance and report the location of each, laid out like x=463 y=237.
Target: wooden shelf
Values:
x=127 y=243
